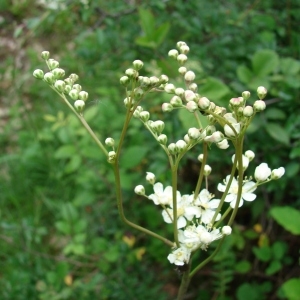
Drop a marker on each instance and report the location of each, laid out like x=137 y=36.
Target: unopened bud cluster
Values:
x=56 y=79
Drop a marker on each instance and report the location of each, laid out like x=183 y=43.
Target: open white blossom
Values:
x=207 y=206
x=247 y=191
x=179 y=256
x=162 y=196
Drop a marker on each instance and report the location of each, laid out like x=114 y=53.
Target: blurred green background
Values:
x=60 y=235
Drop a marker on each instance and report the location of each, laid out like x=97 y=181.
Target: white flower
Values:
x=231 y=197
x=245 y=160
x=250 y=154
x=162 y=196
x=185 y=211
x=179 y=256
x=207 y=206
x=199 y=236
x=277 y=173
x=262 y=172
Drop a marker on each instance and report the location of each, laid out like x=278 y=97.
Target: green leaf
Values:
x=160 y=33
x=279 y=249
x=295 y=152
x=275 y=114
x=247 y=291
x=147 y=21
x=274 y=267
x=264 y=62
x=244 y=74
x=188 y=120
x=69 y=212
x=289 y=66
x=214 y=89
x=243 y=266
x=91 y=113
x=288 y=217
x=291 y=288
x=73 y=165
x=65 y=151
x=63 y=227
x=133 y=156
x=263 y=253
x=278 y=133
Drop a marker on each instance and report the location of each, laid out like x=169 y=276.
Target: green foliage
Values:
x=57 y=208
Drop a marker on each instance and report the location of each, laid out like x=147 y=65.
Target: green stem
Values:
x=185 y=282
x=207 y=260
x=174 y=196
x=201 y=174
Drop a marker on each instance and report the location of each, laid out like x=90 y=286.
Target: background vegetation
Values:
x=60 y=236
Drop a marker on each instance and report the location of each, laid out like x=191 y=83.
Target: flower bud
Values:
x=137 y=112
x=137 y=64
x=262 y=172
x=259 y=105
x=45 y=55
x=277 y=173
x=248 y=111
x=74 y=77
x=49 y=78
x=110 y=142
x=77 y=87
x=179 y=91
x=173 y=53
x=200 y=157
x=189 y=95
x=184 y=49
x=83 y=95
x=193 y=87
x=124 y=80
x=138 y=93
x=172 y=148
x=144 y=115
x=176 y=101
x=139 y=190
x=111 y=155
x=229 y=132
x=191 y=106
x=52 y=64
x=207 y=170
x=163 y=79
x=261 y=92
x=226 y=230
x=245 y=161
x=60 y=86
x=68 y=89
x=250 y=155
x=170 y=88
x=203 y=103
x=162 y=139
x=58 y=73
x=181 y=145
x=223 y=144
x=182 y=58
x=182 y=70
x=167 y=107
x=194 y=133
x=180 y=44
x=79 y=105
x=189 y=76
x=157 y=126
x=150 y=177
x=38 y=73
x=187 y=139
x=236 y=101
x=132 y=73
x=246 y=95
x=74 y=94
x=128 y=102
x=154 y=80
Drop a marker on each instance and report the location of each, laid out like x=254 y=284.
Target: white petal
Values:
x=249 y=196
x=181 y=222
x=214 y=203
x=158 y=188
